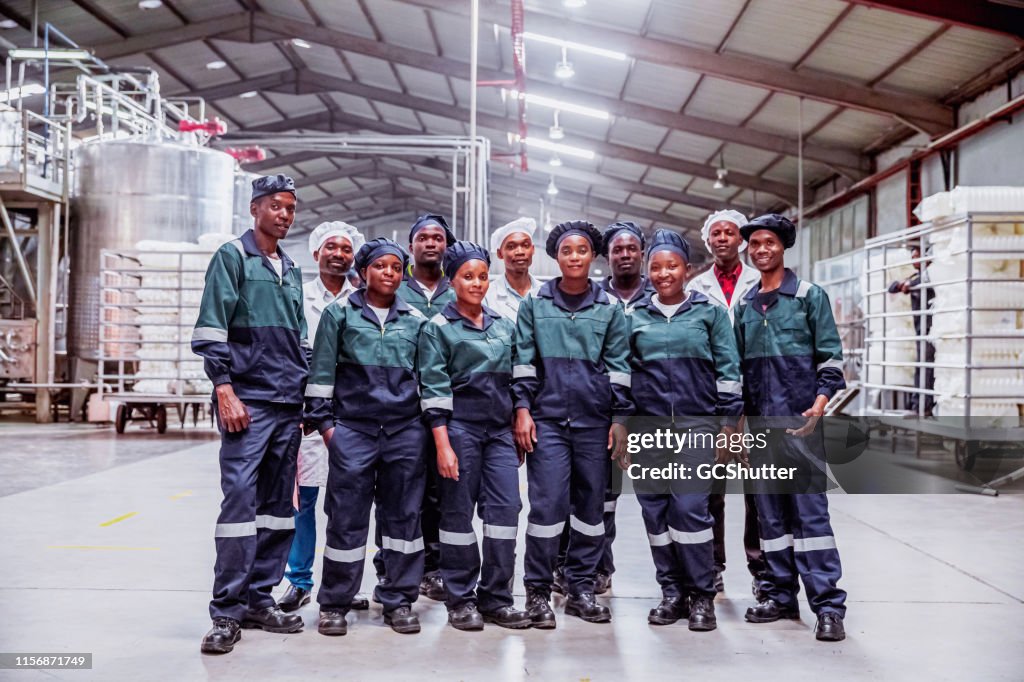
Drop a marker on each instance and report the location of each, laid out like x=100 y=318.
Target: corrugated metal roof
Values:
x=256 y=60
x=620 y=168
x=637 y=134
x=746 y=159
x=696 y=22
x=650 y=203
x=799 y=21
x=725 y=101
x=318 y=58
x=423 y=83
x=296 y=105
x=667 y=179
x=853 y=128
x=356 y=106
x=628 y=16
x=781 y=114
x=372 y=71
x=660 y=86
x=688 y=146
x=402 y=24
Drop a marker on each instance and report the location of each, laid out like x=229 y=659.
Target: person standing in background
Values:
x=513 y=245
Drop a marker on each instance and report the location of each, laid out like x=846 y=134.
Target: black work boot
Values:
x=769 y=611
x=538 y=607
x=669 y=611
x=272 y=619
x=359 y=603
x=402 y=620
x=466 y=617
x=332 y=622
x=702 y=614
x=432 y=587
x=294 y=599
x=602 y=583
x=584 y=605
x=221 y=639
x=830 y=628
x=507 y=617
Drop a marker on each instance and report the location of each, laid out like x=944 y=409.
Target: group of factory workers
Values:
x=428 y=385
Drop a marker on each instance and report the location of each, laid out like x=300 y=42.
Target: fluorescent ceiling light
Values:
x=18 y=93
x=568 y=150
x=559 y=105
x=150 y=4
x=556 y=161
x=54 y=53
x=249 y=94
x=552 y=190
x=8 y=23
x=299 y=42
x=564 y=70
x=600 y=51
x=216 y=64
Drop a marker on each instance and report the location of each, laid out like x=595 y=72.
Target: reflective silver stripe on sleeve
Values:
x=275 y=522
x=235 y=530
x=811 y=544
x=691 y=538
x=319 y=390
x=500 y=532
x=209 y=334
x=802 y=289
x=585 y=528
x=450 y=538
x=620 y=378
x=403 y=546
x=777 y=544
x=347 y=556
x=609 y=505
x=659 y=539
x=539 y=531
x=524 y=371
x=838 y=364
x=729 y=386
x=437 y=404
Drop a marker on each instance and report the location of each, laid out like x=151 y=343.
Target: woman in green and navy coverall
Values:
x=465 y=378
x=363 y=398
x=570 y=383
x=686 y=375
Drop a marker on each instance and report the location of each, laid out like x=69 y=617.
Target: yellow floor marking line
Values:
x=187 y=493
x=111 y=522
x=104 y=547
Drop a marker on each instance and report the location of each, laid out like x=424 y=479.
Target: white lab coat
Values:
x=312 y=451
x=707 y=284
x=503 y=300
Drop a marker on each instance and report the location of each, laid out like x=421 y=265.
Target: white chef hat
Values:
x=325 y=231
x=525 y=225
x=728 y=215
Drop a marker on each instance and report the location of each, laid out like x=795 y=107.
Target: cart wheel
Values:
x=161 y=419
x=121 y=418
x=965 y=456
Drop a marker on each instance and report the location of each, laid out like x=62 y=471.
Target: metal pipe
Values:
x=474 y=43
x=16 y=247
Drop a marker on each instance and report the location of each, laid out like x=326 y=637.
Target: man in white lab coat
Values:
x=725 y=283
x=513 y=245
x=333 y=246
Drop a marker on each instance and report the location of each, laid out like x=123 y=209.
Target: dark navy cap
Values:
x=375 y=248
x=572 y=227
x=431 y=220
x=667 y=240
x=615 y=229
x=459 y=253
x=780 y=225
x=271 y=184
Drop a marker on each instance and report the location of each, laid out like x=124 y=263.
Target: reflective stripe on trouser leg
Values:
x=690 y=529
x=400 y=481
x=241 y=455
x=275 y=516
x=779 y=581
x=547 y=475
x=348 y=496
x=499 y=505
x=460 y=554
x=816 y=555
x=654 y=509
x=589 y=458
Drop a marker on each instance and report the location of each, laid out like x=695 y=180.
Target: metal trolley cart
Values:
x=149 y=301
x=972 y=263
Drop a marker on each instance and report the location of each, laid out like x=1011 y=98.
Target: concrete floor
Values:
x=107 y=548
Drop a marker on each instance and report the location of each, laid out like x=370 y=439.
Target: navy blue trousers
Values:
x=567 y=470
x=488 y=482
x=256 y=523
x=363 y=469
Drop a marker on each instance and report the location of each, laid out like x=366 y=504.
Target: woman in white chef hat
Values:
x=333 y=246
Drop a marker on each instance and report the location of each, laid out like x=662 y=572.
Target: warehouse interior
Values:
x=130 y=133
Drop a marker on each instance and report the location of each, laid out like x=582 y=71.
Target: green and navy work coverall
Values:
x=413 y=294
x=572 y=372
x=686 y=373
x=466 y=384
x=363 y=383
x=791 y=353
x=251 y=333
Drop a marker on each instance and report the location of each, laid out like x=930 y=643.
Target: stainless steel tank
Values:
x=127 y=191
x=242 y=219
